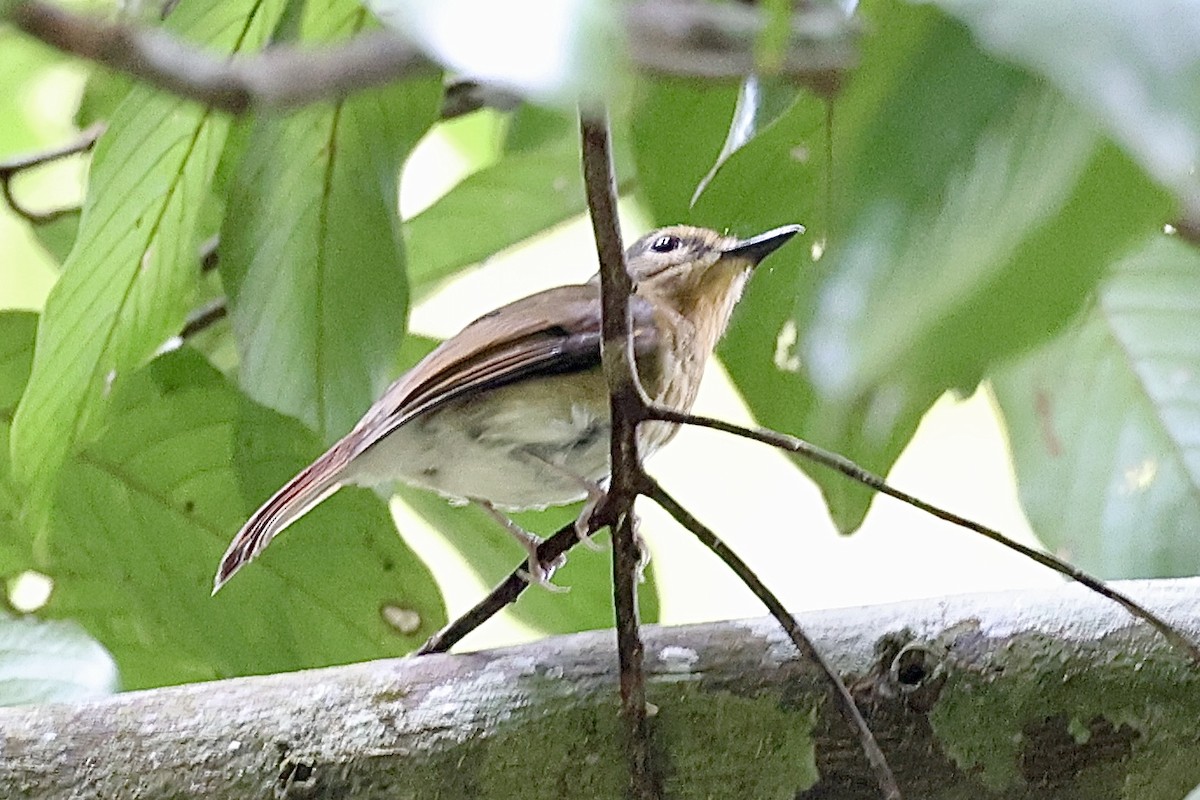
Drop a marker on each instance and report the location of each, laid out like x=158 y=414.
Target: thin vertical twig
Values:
x=616 y=511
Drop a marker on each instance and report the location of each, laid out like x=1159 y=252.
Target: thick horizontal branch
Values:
x=667 y=36
x=1033 y=694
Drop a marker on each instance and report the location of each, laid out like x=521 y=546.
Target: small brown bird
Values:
x=512 y=412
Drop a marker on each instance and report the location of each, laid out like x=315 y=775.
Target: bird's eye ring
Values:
x=665 y=244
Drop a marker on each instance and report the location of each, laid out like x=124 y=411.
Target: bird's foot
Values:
x=537 y=572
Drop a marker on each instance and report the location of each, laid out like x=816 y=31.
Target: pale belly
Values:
x=518 y=447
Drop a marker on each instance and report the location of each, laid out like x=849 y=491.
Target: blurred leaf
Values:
x=102 y=95
x=144 y=515
x=127 y=283
x=51 y=662
x=531 y=127
x=17 y=332
x=677 y=130
x=58 y=236
x=760 y=102
x=550 y=51
x=981 y=211
x=523 y=194
x=777 y=177
x=1134 y=66
x=312 y=259
x=1104 y=423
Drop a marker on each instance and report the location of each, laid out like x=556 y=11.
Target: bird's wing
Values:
x=530 y=337
x=527 y=338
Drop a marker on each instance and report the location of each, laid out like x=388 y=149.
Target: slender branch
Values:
x=666 y=36
x=845 y=702
x=505 y=593
x=853 y=471
x=13 y=167
x=616 y=510
x=204 y=318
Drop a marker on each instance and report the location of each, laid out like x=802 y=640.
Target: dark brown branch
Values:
x=678 y=38
x=853 y=471
x=13 y=167
x=616 y=510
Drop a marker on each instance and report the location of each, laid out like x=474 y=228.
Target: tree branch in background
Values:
x=690 y=39
x=13 y=167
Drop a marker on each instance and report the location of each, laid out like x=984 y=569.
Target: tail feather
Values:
x=297 y=497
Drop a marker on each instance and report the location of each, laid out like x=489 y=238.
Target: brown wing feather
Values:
x=535 y=335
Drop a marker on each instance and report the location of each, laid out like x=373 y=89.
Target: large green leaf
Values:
x=1134 y=66
x=51 y=662
x=678 y=129
x=143 y=516
x=127 y=283
x=311 y=253
x=1104 y=422
x=981 y=210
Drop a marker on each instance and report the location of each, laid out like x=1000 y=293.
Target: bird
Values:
x=512 y=412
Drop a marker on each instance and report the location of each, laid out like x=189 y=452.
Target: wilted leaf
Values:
x=1104 y=422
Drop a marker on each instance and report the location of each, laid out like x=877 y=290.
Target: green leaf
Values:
x=311 y=253
x=1133 y=66
x=127 y=283
x=677 y=131
x=520 y=195
x=17 y=332
x=51 y=662
x=144 y=514
x=760 y=102
x=492 y=553
x=1104 y=422
x=982 y=210
x=559 y=53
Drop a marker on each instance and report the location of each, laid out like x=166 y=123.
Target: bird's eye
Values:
x=665 y=244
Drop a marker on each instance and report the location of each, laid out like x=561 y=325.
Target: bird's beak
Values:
x=756 y=248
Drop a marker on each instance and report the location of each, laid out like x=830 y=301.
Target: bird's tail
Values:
x=297 y=497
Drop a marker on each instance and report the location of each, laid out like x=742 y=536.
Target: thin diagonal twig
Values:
x=853 y=471
x=845 y=702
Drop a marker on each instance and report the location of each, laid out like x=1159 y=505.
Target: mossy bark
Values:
x=1047 y=694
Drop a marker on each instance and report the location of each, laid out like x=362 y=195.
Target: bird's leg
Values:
x=539 y=572
x=595 y=496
